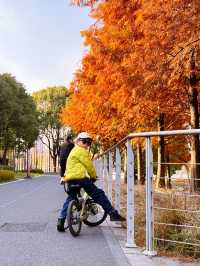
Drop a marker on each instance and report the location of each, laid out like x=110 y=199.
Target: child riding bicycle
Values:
x=80 y=171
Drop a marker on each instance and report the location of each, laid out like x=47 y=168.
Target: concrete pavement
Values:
x=28 y=236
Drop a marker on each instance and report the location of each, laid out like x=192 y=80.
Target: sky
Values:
x=40 y=41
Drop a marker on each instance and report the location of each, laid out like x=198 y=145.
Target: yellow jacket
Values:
x=79 y=165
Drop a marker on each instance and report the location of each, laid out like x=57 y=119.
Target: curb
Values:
x=114 y=245
x=20 y=179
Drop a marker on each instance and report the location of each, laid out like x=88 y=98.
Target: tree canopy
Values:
x=127 y=75
x=141 y=65
x=50 y=102
x=18 y=116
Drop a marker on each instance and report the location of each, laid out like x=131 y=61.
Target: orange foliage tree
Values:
x=130 y=76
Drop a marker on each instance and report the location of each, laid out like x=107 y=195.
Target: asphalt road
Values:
x=28 y=236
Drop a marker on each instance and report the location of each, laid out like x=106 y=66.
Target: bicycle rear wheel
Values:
x=96 y=215
x=73 y=218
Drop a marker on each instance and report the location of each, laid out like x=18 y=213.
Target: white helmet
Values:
x=84 y=137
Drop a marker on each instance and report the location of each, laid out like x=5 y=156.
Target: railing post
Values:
x=149 y=200
x=110 y=166
x=105 y=174
x=130 y=197
x=117 y=180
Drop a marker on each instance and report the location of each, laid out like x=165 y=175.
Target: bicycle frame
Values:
x=82 y=199
x=80 y=209
x=83 y=211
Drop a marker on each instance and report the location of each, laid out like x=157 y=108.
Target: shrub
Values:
x=24 y=171
x=6 y=175
x=6 y=167
x=37 y=171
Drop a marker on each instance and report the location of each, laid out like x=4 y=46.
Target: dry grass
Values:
x=172 y=200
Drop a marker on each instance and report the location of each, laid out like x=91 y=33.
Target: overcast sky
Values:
x=40 y=42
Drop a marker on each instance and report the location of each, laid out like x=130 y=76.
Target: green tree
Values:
x=50 y=102
x=18 y=116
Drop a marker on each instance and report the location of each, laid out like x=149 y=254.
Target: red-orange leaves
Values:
x=126 y=79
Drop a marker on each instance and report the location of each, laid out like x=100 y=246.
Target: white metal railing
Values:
x=105 y=170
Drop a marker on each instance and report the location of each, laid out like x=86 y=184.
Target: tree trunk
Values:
x=54 y=163
x=49 y=162
x=194 y=112
x=27 y=163
x=169 y=184
x=160 y=181
x=140 y=165
x=195 y=147
x=4 y=159
x=36 y=158
x=14 y=159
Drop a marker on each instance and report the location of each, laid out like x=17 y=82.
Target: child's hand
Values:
x=96 y=156
x=62 y=181
x=94 y=179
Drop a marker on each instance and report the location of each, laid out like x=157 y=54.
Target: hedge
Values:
x=37 y=171
x=6 y=175
x=6 y=167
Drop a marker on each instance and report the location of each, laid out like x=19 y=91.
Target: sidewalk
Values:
x=135 y=255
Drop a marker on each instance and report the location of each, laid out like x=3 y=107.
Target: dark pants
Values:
x=62 y=168
x=92 y=190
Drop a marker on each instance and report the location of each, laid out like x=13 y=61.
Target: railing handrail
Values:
x=153 y=134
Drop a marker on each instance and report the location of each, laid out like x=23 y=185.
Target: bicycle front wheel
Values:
x=73 y=218
x=96 y=215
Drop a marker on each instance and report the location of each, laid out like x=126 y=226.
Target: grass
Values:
x=172 y=200
x=16 y=175
x=22 y=174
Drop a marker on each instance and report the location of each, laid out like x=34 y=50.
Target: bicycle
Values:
x=83 y=209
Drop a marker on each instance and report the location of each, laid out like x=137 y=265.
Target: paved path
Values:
x=28 y=236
